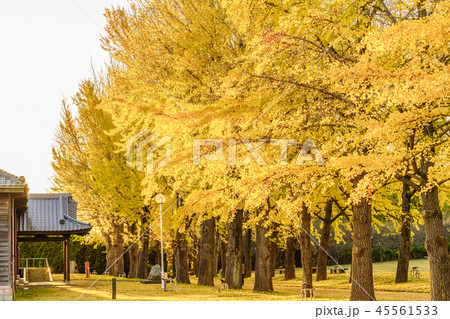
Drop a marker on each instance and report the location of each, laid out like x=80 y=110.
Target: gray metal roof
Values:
x=51 y=213
x=10 y=180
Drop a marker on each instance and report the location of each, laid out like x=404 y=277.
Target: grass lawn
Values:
x=336 y=287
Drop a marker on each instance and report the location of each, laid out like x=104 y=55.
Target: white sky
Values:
x=46 y=48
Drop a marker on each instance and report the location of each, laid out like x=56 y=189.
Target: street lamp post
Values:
x=160 y=199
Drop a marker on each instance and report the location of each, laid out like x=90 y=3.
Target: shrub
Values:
x=80 y=252
x=417 y=252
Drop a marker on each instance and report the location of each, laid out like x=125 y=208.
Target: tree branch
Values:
x=407 y=182
x=337 y=216
x=308 y=86
x=443 y=181
x=388 y=12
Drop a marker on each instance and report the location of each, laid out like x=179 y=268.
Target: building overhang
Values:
x=12 y=190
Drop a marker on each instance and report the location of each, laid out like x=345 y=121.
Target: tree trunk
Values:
x=193 y=255
x=133 y=253
x=305 y=246
x=134 y=260
x=273 y=250
x=169 y=266
x=109 y=253
x=143 y=254
x=181 y=259
x=155 y=247
x=223 y=258
x=324 y=240
x=405 y=243
x=197 y=263
x=362 y=272
x=289 y=259
x=217 y=254
x=436 y=245
x=233 y=273
x=206 y=265
x=263 y=271
x=247 y=252
x=118 y=267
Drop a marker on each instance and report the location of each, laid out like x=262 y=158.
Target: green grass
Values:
x=336 y=287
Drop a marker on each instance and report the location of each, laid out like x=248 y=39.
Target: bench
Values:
x=167 y=280
x=282 y=270
x=338 y=270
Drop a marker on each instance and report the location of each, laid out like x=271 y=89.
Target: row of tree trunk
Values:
x=235 y=259
x=233 y=253
x=138 y=252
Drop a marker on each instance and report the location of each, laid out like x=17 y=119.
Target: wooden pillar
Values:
x=64 y=259
x=67 y=259
x=16 y=256
x=12 y=244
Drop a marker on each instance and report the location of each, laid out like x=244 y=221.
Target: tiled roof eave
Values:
x=80 y=232
x=10 y=180
x=73 y=227
x=72 y=220
x=48 y=196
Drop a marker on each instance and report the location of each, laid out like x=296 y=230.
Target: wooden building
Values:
x=13 y=202
x=32 y=218
x=52 y=217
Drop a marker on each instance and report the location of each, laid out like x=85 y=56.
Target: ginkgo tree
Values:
x=88 y=163
x=403 y=76
x=366 y=72
x=237 y=88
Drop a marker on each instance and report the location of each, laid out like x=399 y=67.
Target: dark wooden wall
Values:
x=5 y=207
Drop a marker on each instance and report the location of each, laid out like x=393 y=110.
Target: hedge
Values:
x=80 y=252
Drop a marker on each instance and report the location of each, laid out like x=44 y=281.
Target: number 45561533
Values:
x=407 y=310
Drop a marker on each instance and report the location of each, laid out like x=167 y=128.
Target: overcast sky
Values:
x=46 y=48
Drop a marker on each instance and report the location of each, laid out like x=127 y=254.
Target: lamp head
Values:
x=160 y=199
